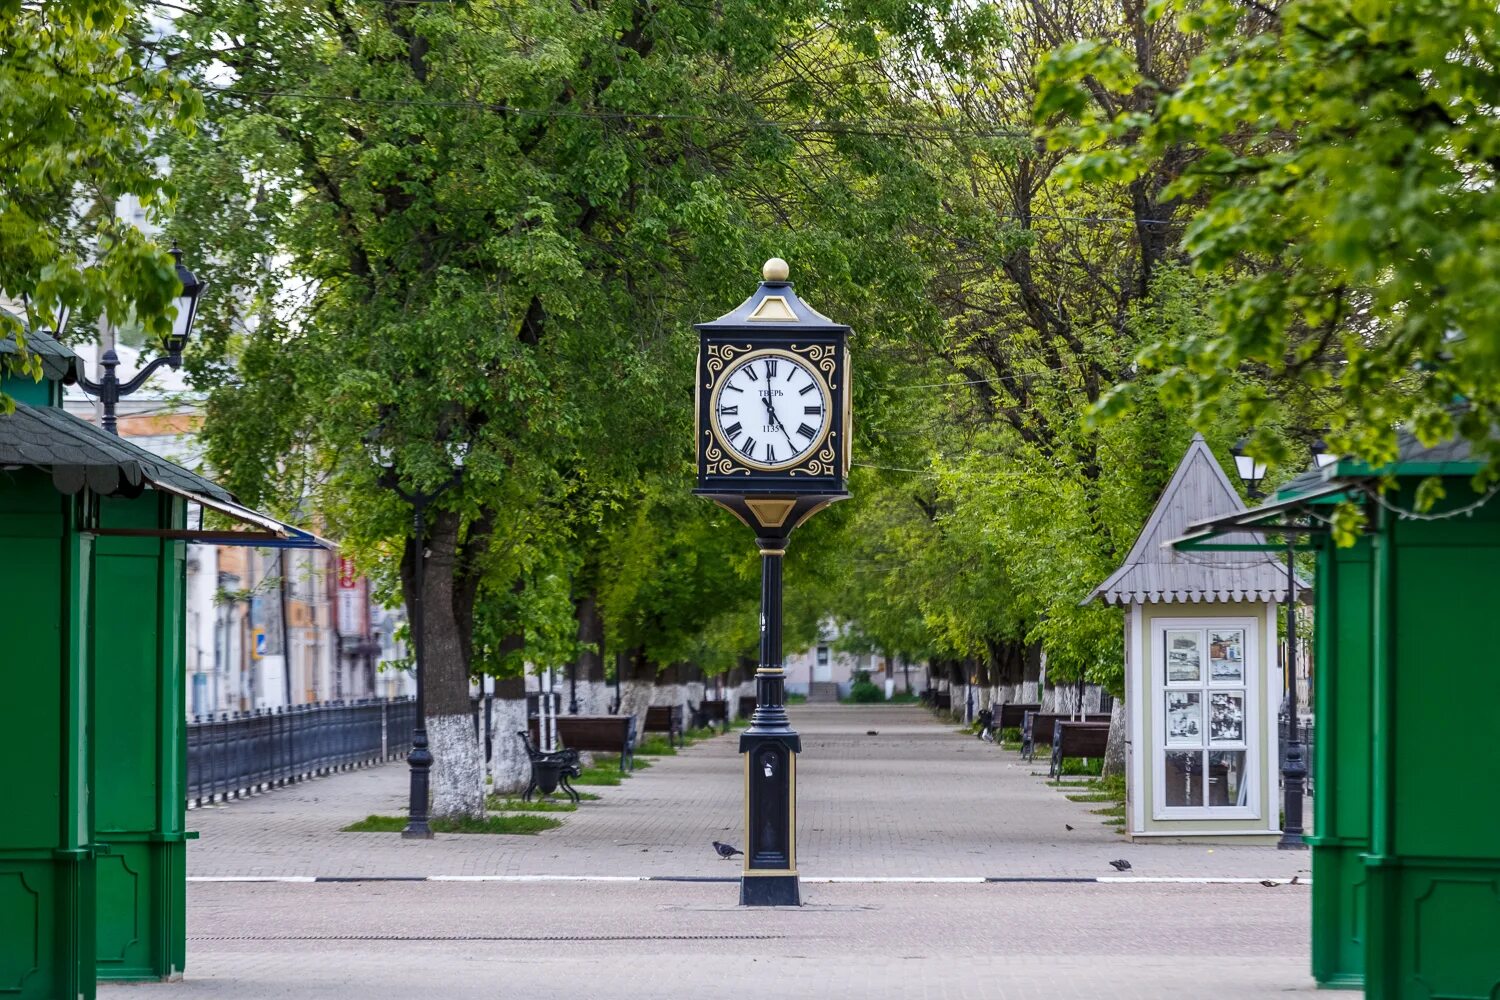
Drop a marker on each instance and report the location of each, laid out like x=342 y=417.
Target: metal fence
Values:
x=234 y=754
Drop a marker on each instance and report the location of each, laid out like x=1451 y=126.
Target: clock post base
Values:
x=770 y=890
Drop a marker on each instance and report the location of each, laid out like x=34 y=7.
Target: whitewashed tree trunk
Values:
x=457 y=774
x=1114 y=751
x=509 y=765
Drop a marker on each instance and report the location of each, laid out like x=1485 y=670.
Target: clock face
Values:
x=771 y=408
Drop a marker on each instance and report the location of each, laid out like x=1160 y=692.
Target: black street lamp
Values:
x=109 y=389
x=420 y=757
x=1294 y=756
x=1251 y=470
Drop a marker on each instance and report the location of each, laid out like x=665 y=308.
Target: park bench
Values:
x=943 y=701
x=710 y=711
x=550 y=771
x=1079 y=741
x=595 y=734
x=747 y=706
x=1037 y=727
x=1013 y=716
x=666 y=719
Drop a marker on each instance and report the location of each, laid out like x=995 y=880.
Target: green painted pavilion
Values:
x=93 y=531
x=1406 y=844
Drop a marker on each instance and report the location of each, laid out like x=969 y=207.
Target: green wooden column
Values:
x=1342 y=765
x=139 y=774
x=46 y=852
x=1434 y=860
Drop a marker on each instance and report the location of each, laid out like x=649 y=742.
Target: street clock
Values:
x=773 y=421
x=773 y=447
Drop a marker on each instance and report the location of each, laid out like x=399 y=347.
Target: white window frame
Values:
x=1254 y=681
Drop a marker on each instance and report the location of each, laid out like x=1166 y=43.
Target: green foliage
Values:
x=80 y=95
x=863 y=691
x=540 y=804
x=1340 y=160
x=486 y=824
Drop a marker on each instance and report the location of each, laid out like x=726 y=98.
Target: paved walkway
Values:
x=916 y=799
x=662 y=941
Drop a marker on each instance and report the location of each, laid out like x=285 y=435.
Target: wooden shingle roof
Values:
x=1155 y=573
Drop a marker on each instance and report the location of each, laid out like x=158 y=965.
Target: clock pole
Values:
x=770 y=747
x=772 y=498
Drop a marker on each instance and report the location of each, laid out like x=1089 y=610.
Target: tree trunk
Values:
x=594 y=695
x=511 y=767
x=457 y=767
x=637 y=687
x=1114 y=752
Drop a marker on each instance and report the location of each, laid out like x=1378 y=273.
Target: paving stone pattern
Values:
x=916 y=799
x=632 y=941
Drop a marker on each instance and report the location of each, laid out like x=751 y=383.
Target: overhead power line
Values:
x=867 y=126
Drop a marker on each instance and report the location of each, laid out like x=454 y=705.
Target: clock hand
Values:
x=776 y=422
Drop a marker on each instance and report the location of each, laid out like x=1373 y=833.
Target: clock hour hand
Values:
x=776 y=422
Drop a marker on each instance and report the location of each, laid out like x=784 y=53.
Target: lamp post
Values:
x=1294 y=757
x=109 y=389
x=420 y=757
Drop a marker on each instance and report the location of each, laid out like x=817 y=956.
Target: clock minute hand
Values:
x=776 y=422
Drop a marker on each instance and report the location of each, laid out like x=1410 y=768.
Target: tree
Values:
x=488 y=226
x=1342 y=161
x=80 y=96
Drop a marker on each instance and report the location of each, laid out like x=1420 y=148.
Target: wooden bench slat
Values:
x=594 y=733
x=1078 y=740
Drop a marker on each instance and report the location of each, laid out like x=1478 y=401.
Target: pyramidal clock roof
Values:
x=1156 y=573
x=773 y=307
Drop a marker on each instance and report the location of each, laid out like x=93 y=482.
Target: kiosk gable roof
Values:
x=1155 y=573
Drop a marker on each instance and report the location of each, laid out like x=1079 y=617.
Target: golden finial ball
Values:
x=775 y=269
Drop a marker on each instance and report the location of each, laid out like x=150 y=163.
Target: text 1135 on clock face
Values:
x=772 y=409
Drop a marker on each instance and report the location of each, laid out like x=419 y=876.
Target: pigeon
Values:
x=1268 y=883
x=1067 y=827
x=1120 y=866
x=1294 y=881
x=872 y=732
x=725 y=851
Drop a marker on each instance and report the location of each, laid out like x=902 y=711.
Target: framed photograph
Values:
x=1226 y=656
x=1184 y=656
x=1184 y=718
x=1226 y=717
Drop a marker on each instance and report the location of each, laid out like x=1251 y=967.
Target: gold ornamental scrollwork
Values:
x=822 y=355
x=718 y=463
x=820 y=464
x=720 y=356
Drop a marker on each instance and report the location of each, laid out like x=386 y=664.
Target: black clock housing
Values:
x=774 y=317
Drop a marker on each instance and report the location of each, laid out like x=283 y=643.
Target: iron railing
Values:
x=235 y=753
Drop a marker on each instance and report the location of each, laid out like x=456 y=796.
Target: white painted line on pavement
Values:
x=537 y=878
x=1205 y=880
x=251 y=878
x=811 y=879
x=900 y=879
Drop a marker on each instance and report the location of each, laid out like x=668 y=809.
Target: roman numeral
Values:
x=749 y=447
x=733 y=431
x=733 y=388
x=813 y=411
x=770 y=452
x=807 y=388
x=806 y=431
x=751 y=372
x=729 y=411
x=770 y=368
